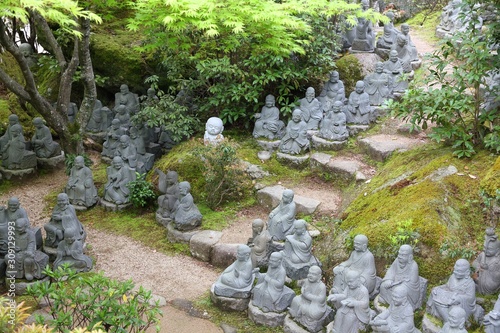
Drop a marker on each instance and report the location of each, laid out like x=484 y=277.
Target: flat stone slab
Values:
x=354 y=129
x=271 y=196
x=112 y=207
x=269 y=319
x=202 y=242
x=428 y=326
x=298 y=161
x=342 y=167
x=17 y=174
x=322 y=144
x=51 y=162
x=177 y=236
x=268 y=145
x=380 y=147
x=21 y=285
x=228 y=303
x=223 y=255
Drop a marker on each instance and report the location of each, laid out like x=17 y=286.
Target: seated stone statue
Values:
x=27 y=51
x=259 y=243
x=13 y=120
x=398 y=317
x=15 y=211
x=364 y=40
x=405 y=31
x=456 y=321
x=112 y=139
x=297 y=252
x=213 y=131
x=168 y=184
x=42 y=142
x=459 y=290
x=122 y=114
x=145 y=160
x=99 y=121
x=70 y=252
x=80 y=189
x=403 y=271
x=362 y=261
x=335 y=87
x=394 y=67
x=127 y=151
x=353 y=305
x=63 y=217
x=309 y=308
x=333 y=127
x=119 y=175
x=312 y=112
x=150 y=99
x=492 y=319
x=268 y=123
x=186 y=214
x=387 y=40
x=404 y=52
x=378 y=85
x=358 y=109
x=236 y=280
x=487 y=265
x=4 y=237
x=29 y=262
x=128 y=99
x=281 y=218
x=449 y=19
x=270 y=293
x=295 y=141
x=14 y=153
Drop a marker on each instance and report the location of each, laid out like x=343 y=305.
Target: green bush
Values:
x=94 y=301
x=141 y=191
x=349 y=69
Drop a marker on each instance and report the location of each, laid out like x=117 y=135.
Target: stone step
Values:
x=346 y=168
x=379 y=147
x=271 y=196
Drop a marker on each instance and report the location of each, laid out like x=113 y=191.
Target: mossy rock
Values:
x=490 y=184
x=349 y=69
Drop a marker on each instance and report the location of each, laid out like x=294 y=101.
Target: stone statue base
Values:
x=299 y=271
x=20 y=285
x=146 y=163
x=269 y=319
x=98 y=137
x=228 y=303
x=298 y=161
x=106 y=159
x=322 y=144
x=51 y=162
x=354 y=129
x=164 y=221
x=51 y=252
x=442 y=33
x=83 y=208
x=292 y=326
x=17 y=174
x=28 y=161
x=177 y=236
x=154 y=148
x=361 y=45
x=221 y=290
x=267 y=144
x=429 y=325
x=415 y=64
x=112 y=207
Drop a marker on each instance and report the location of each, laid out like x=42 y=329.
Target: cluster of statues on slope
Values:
x=64 y=244
x=355 y=282
x=19 y=154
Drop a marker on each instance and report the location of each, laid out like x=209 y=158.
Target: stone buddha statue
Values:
x=404 y=52
x=281 y=218
x=312 y=112
x=213 y=131
x=127 y=151
x=186 y=214
x=14 y=153
x=333 y=127
x=128 y=99
x=80 y=188
x=487 y=265
x=168 y=184
x=13 y=120
x=123 y=115
x=492 y=319
x=259 y=243
x=42 y=142
x=119 y=175
x=335 y=87
x=456 y=321
x=15 y=211
x=405 y=31
x=358 y=109
x=237 y=279
x=378 y=85
x=70 y=252
x=394 y=68
x=268 y=123
x=295 y=140
x=112 y=138
x=386 y=41
x=297 y=252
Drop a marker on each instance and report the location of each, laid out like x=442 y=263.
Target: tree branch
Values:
x=14 y=86
x=56 y=49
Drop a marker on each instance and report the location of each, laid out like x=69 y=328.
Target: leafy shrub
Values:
x=349 y=70
x=69 y=162
x=94 y=301
x=141 y=191
x=224 y=178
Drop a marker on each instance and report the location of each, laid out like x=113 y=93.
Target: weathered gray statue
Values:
x=394 y=67
x=362 y=261
x=487 y=265
x=449 y=19
x=70 y=252
x=186 y=214
x=63 y=217
x=27 y=51
x=334 y=87
x=260 y=244
x=281 y=218
x=405 y=31
x=125 y=97
x=309 y=308
x=168 y=185
x=456 y=321
x=492 y=319
x=398 y=317
x=378 y=85
x=270 y=293
x=358 y=109
x=459 y=290
x=295 y=141
x=123 y=115
x=112 y=138
x=29 y=262
x=403 y=271
x=213 y=131
x=312 y=113
x=333 y=127
x=127 y=151
x=268 y=123
x=237 y=280
x=353 y=305
x=15 y=211
x=365 y=36
x=297 y=254
x=99 y=120
x=14 y=153
x=119 y=175
x=80 y=189
x=404 y=52
x=42 y=142
x=13 y=120
x=390 y=32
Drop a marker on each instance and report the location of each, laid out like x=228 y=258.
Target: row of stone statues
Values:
x=17 y=153
x=63 y=245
